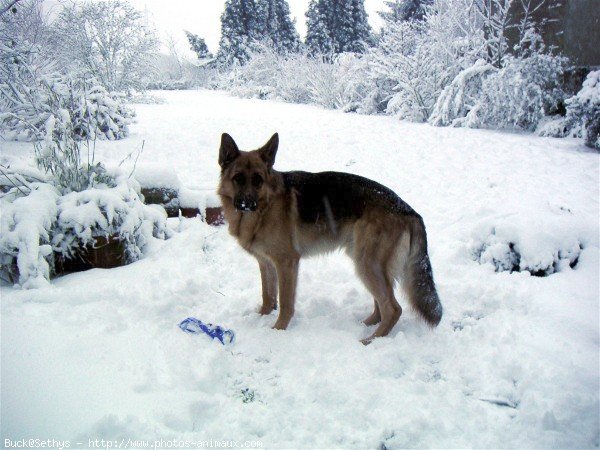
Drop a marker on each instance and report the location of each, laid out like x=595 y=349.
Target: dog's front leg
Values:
x=268 y=276
x=287 y=274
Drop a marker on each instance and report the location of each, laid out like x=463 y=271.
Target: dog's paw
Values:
x=279 y=325
x=265 y=310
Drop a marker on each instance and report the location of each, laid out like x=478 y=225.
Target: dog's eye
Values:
x=257 y=180
x=239 y=179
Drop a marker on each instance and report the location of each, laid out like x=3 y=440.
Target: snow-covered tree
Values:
x=275 y=27
x=36 y=95
x=496 y=23
x=355 y=32
x=198 y=45
x=239 y=30
x=400 y=10
x=318 y=35
x=337 y=26
x=109 y=39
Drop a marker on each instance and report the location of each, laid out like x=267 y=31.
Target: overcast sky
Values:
x=202 y=17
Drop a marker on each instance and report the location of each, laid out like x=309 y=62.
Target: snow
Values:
x=155 y=175
x=198 y=198
x=513 y=363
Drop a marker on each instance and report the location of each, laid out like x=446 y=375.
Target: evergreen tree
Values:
x=336 y=26
x=198 y=45
x=359 y=37
x=318 y=33
x=401 y=10
x=239 y=28
x=276 y=27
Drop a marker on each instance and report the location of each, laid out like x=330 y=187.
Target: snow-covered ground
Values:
x=514 y=362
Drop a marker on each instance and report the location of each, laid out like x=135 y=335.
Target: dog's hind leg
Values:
x=375 y=317
x=371 y=257
x=382 y=288
x=268 y=276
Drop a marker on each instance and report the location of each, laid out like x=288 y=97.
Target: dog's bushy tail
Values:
x=417 y=278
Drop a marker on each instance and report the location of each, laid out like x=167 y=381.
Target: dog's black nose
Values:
x=245 y=205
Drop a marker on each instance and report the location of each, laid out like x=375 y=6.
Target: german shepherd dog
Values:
x=279 y=217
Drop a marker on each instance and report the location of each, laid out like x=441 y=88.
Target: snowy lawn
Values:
x=514 y=362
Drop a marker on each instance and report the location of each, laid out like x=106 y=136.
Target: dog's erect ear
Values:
x=269 y=150
x=228 y=150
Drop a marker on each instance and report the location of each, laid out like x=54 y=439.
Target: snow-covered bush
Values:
x=28 y=216
x=257 y=78
x=169 y=85
x=361 y=92
x=509 y=248
x=324 y=86
x=145 y=98
x=583 y=112
x=520 y=94
x=400 y=63
x=298 y=78
x=460 y=98
x=32 y=91
x=102 y=115
x=110 y=212
x=38 y=224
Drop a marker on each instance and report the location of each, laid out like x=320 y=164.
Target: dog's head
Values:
x=246 y=176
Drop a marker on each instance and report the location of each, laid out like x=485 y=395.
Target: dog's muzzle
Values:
x=245 y=205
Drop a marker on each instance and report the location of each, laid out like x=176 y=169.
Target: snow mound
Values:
x=519 y=244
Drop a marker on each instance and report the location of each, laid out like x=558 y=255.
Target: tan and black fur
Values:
x=280 y=217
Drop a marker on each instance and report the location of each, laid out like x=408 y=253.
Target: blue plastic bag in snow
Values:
x=195 y=326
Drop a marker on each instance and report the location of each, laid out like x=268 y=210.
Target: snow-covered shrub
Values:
x=419 y=84
x=460 y=97
x=361 y=92
x=102 y=115
x=37 y=224
x=297 y=78
x=258 y=77
x=510 y=256
x=27 y=217
x=583 y=112
x=110 y=212
x=520 y=94
x=401 y=63
x=324 y=86
x=62 y=159
x=32 y=90
x=169 y=85
x=92 y=114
